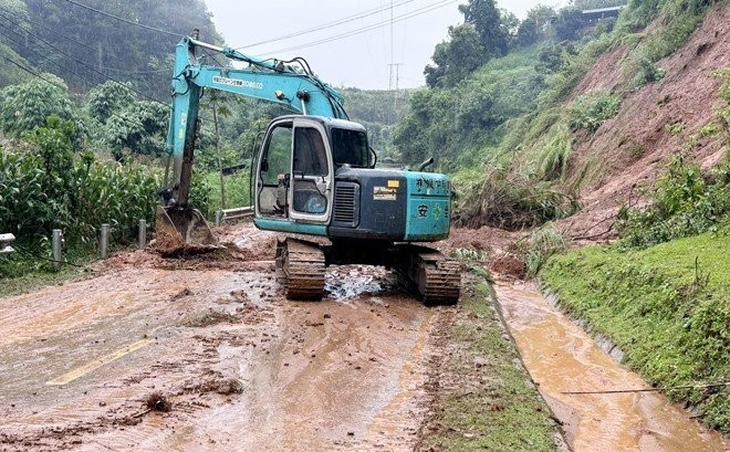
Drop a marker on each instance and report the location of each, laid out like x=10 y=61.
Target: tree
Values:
x=137 y=129
x=109 y=97
x=456 y=58
x=27 y=106
x=536 y=26
x=487 y=21
x=569 y=24
x=121 y=122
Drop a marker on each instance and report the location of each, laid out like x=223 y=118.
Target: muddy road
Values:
x=83 y=363
x=205 y=354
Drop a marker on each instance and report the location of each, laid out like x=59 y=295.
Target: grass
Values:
x=667 y=307
x=490 y=403
x=31 y=280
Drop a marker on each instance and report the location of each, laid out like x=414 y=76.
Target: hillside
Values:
x=89 y=42
x=653 y=123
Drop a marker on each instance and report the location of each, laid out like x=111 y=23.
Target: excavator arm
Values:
x=288 y=83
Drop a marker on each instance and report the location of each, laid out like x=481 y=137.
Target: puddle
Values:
x=561 y=357
x=349 y=282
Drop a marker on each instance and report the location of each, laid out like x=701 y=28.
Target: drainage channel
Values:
x=561 y=358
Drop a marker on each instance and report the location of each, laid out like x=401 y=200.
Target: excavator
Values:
x=314 y=179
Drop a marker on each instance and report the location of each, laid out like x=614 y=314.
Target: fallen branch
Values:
x=624 y=391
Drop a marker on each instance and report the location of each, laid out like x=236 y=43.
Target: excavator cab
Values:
x=296 y=168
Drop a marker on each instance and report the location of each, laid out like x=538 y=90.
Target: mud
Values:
x=561 y=358
x=204 y=354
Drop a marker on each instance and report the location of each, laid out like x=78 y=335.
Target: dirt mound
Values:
x=631 y=149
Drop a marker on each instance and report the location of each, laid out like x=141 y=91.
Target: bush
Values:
x=591 y=110
x=684 y=203
x=45 y=186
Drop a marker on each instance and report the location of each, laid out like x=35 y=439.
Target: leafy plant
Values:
x=541 y=245
x=591 y=110
x=45 y=186
x=26 y=106
x=676 y=129
x=684 y=203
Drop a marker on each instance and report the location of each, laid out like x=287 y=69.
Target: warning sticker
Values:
x=384 y=194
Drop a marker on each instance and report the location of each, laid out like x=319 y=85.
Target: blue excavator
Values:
x=314 y=179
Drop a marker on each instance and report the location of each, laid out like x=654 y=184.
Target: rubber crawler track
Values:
x=303 y=267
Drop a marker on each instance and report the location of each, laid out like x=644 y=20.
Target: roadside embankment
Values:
x=666 y=307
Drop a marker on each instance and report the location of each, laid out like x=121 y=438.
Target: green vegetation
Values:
x=86 y=48
x=667 y=307
x=492 y=406
x=590 y=110
x=45 y=186
x=684 y=203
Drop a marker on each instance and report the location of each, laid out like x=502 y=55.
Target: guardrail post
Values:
x=57 y=247
x=142 y=239
x=104 y=240
x=218 y=217
x=5 y=241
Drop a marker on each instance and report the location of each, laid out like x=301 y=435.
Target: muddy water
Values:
x=561 y=357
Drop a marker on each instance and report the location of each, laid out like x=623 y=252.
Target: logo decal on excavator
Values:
x=233 y=82
x=384 y=194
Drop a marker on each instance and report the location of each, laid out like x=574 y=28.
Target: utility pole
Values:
x=394 y=75
x=99 y=57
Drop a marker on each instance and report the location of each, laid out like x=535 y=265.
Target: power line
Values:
x=327 y=25
x=396 y=19
x=121 y=19
x=41 y=25
x=82 y=63
x=75 y=41
x=43 y=57
x=31 y=72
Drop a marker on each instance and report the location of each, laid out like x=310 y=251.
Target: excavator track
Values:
x=435 y=277
x=301 y=266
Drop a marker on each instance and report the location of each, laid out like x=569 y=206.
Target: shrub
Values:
x=45 y=186
x=590 y=110
x=684 y=203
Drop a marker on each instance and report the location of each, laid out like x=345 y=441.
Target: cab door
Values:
x=294 y=175
x=311 y=179
x=273 y=171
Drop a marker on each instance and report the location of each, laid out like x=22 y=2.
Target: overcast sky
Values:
x=348 y=56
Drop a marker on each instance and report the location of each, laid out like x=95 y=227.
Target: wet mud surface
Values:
x=561 y=358
x=203 y=353
x=206 y=354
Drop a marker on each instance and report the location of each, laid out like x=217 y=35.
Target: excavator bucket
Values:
x=178 y=228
